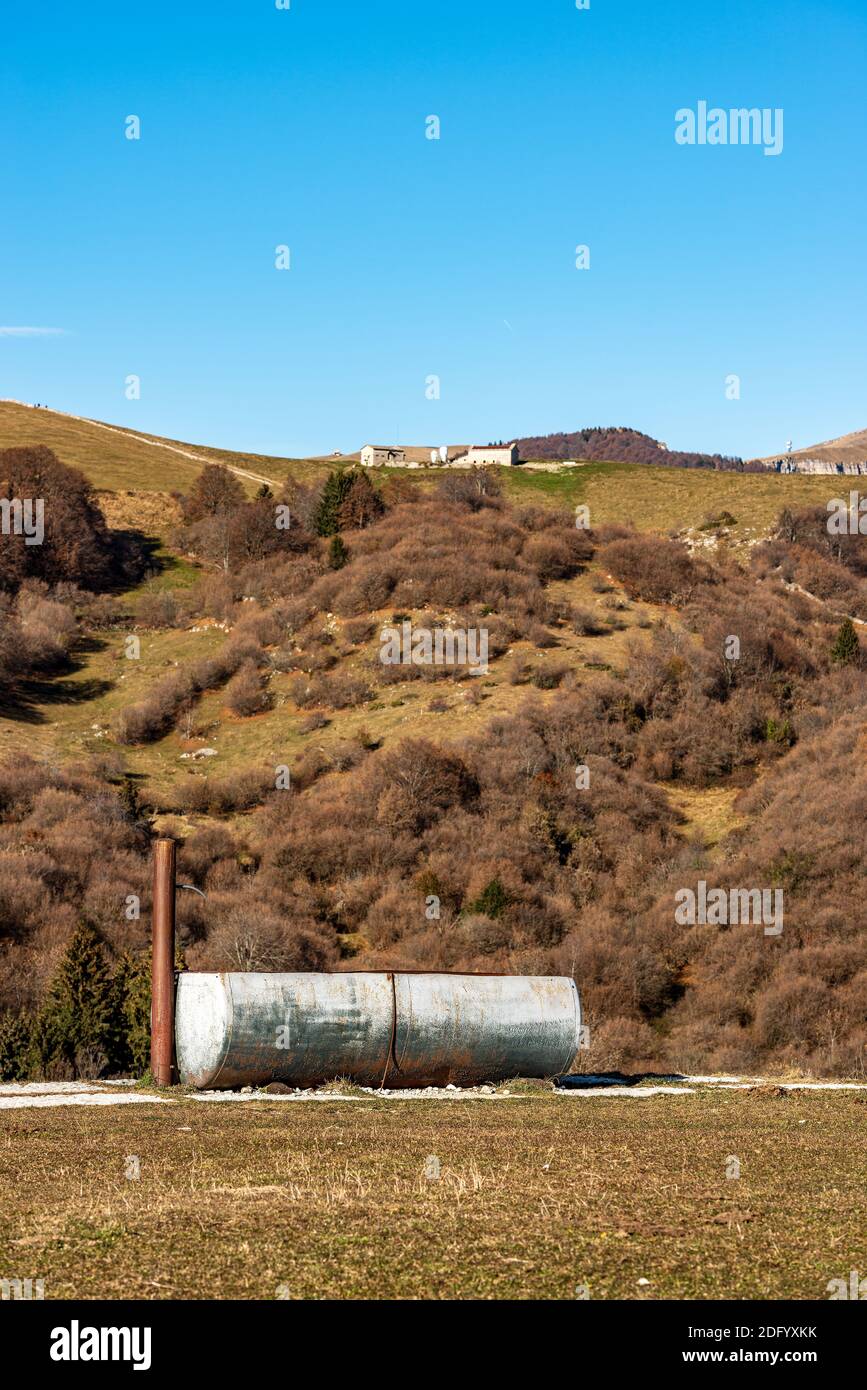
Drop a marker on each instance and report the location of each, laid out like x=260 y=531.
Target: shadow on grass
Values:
x=162 y=567
x=25 y=701
x=588 y=1081
x=141 y=559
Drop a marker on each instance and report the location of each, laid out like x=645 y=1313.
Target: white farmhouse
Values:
x=452 y=455
x=407 y=456
x=379 y=455
x=491 y=456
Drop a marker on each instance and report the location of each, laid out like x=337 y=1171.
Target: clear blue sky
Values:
x=413 y=257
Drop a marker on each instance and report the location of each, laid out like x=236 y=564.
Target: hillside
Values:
x=236 y=697
x=134 y=473
x=115 y=458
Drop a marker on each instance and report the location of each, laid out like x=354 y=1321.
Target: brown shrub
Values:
x=48 y=629
x=246 y=692
x=653 y=569
x=415 y=782
x=358 y=630
x=556 y=554
x=340 y=691
x=586 y=623
x=156 y=610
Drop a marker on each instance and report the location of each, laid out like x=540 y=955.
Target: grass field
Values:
x=116 y=458
x=662 y=499
x=536 y=1197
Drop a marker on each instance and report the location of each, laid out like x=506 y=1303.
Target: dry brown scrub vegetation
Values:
x=486 y=852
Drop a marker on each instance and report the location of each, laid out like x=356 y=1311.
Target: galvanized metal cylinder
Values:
x=466 y=1029
x=248 y=1029
x=403 y=1029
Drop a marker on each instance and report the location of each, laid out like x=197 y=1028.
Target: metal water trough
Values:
x=377 y=1028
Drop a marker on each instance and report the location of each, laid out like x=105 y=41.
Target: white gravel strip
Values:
x=370 y=1093
x=28 y=1102
x=799 y=1085
x=30 y=1094
x=637 y=1092
x=433 y=1094
x=712 y=1080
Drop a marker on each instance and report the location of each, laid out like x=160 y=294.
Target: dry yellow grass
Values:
x=708 y=812
x=116 y=458
x=151 y=512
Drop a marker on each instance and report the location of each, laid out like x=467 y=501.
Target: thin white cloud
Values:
x=31 y=332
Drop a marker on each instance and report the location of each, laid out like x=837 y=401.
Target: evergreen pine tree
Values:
x=334 y=494
x=846 y=649
x=492 y=900
x=15 y=1030
x=337 y=553
x=132 y=1013
x=129 y=797
x=77 y=1025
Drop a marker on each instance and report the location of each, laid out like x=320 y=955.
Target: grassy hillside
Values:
x=116 y=458
x=663 y=499
x=129 y=464
x=69 y=716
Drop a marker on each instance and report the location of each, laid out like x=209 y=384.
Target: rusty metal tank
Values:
x=401 y=1029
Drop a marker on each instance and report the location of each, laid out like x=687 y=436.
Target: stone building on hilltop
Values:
x=443 y=456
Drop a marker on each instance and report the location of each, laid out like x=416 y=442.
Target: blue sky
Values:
x=454 y=257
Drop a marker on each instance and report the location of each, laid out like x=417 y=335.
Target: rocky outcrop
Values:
x=802 y=465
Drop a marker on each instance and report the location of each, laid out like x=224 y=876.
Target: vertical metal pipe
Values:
x=163 y=964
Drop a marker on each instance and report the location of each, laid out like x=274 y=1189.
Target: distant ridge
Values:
x=845 y=455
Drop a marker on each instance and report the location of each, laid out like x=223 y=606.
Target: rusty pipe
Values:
x=163 y=964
